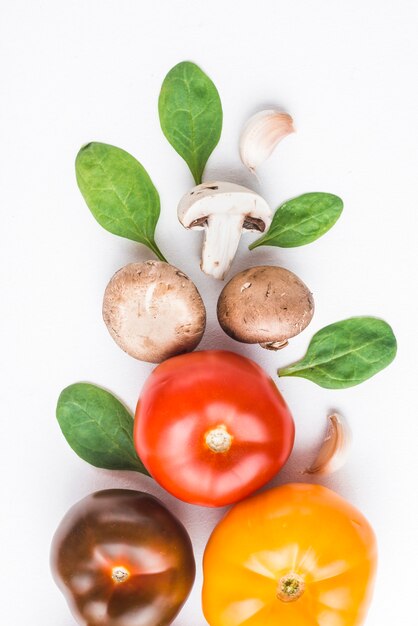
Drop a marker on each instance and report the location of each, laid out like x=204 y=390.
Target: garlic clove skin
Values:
x=261 y=134
x=334 y=450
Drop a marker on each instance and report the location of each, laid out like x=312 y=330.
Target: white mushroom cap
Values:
x=222 y=197
x=224 y=210
x=153 y=311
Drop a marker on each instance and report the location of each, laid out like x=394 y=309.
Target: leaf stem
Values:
x=255 y=244
x=155 y=249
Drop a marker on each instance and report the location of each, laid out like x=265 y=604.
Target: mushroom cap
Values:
x=153 y=311
x=226 y=199
x=264 y=304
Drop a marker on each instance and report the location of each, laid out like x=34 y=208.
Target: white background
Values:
x=87 y=70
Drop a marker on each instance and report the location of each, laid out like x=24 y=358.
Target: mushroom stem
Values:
x=274 y=345
x=222 y=235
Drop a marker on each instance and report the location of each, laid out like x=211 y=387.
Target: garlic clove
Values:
x=334 y=450
x=261 y=134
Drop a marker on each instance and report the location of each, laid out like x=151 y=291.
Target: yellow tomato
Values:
x=297 y=555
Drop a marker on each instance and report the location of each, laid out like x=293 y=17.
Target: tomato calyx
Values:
x=291 y=586
x=120 y=574
x=218 y=439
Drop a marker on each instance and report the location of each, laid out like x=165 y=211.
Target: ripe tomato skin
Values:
x=121 y=558
x=188 y=397
x=298 y=532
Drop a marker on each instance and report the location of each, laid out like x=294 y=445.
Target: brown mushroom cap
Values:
x=266 y=305
x=153 y=311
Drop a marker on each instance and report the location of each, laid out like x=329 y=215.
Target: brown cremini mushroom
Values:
x=153 y=311
x=266 y=305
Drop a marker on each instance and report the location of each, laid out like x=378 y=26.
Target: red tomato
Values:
x=211 y=427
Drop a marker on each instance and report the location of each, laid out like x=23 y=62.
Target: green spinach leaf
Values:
x=119 y=193
x=302 y=220
x=346 y=353
x=98 y=427
x=190 y=115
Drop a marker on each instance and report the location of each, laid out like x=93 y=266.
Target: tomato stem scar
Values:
x=290 y=587
x=218 y=439
x=120 y=574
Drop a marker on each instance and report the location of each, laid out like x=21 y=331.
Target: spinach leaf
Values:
x=119 y=193
x=346 y=353
x=302 y=220
x=190 y=115
x=98 y=427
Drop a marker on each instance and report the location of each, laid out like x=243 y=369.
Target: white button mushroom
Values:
x=223 y=210
x=266 y=305
x=153 y=311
